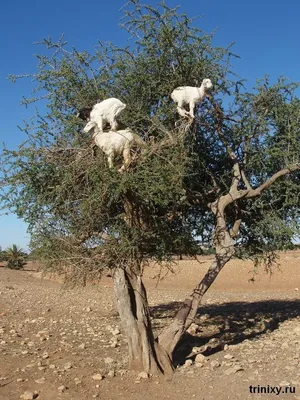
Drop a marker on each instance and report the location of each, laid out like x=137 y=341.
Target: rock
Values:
x=111 y=373
x=41 y=380
x=193 y=329
x=116 y=332
x=196 y=350
x=62 y=388
x=215 y=364
x=284 y=383
x=108 y=360
x=226 y=347
x=228 y=357
x=67 y=366
x=200 y=358
x=188 y=363
x=77 y=381
x=143 y=375
x=97 y=377
x=28 y=395
x=81 y=346
x=20 y=380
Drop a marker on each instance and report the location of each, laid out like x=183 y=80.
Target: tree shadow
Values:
x=228 y=323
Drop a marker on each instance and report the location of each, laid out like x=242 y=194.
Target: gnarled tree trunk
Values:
x=145 y=354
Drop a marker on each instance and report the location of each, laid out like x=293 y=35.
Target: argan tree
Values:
x=229 y=178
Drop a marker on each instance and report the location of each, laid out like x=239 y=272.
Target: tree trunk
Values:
x=145 y=354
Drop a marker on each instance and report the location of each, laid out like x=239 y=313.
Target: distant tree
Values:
x=231 y=176
x=15 y=257
x=2 y=255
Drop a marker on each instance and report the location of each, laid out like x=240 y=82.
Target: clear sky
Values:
x=266 y=35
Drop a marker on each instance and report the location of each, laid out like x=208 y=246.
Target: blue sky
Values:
x=266 y=35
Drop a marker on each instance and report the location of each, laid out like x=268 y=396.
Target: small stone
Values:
x=228 y=357
x=226 y=347
x=67 y=366
x=88 y=309
x=62 y=388
x=45 y=355
x=200 y=358
x=116 y=332
x=77 y=381
x=20 y=380
x=41 y=380
x=188 y=363
x=108 y=360
x=215 y=364
x=97 y=377
x=143 y=375
x=28 y=395
x=196 y=350
x=81 y=346
x=111 y=373
x=284 y=383
x=194 y=328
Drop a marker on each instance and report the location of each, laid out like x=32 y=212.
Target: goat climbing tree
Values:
x=228 y=178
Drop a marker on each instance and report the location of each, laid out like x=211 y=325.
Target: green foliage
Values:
x=77 y=208
x=15 y=257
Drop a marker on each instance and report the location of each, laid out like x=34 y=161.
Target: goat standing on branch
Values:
x=114 y=143
x=190 y=95
x=106 y=111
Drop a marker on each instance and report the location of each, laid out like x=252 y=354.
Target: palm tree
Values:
x=15 y=257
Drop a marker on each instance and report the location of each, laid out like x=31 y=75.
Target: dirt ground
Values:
x=58 y=344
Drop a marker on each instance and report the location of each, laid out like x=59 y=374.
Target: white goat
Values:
x=107 y=111
x=190 y=95
x=114 y=143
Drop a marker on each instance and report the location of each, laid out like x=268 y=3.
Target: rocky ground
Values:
x=68 y=344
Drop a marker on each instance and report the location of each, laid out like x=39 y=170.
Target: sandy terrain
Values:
x=53 y=342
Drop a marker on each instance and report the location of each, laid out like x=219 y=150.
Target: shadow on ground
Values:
x=228 y=323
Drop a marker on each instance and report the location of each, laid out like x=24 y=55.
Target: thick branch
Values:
x=258 y=191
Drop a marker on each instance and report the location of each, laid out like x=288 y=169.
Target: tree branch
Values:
x=258 y=191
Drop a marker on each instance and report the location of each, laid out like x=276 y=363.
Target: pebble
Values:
x=28 y=395
x=41 y=380
x=111 y=373
x=143 y=375
x=188 y=363
x=97 y=377
x=200 y=358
